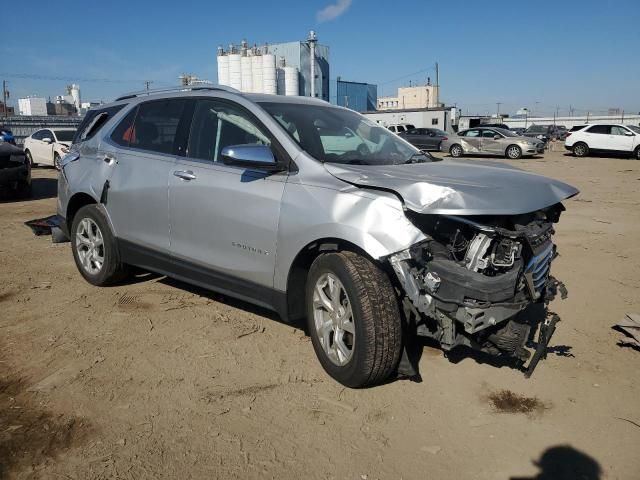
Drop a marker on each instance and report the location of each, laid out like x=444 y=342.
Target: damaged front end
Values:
x=466 y=283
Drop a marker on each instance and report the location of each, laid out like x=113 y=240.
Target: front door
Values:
x=490 y=144
x=224 y=219
x=621 y=139
x=141 y=160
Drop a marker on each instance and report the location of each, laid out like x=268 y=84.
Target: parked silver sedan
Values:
x=491 y=141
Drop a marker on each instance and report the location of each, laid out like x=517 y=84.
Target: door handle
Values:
x=185 y=174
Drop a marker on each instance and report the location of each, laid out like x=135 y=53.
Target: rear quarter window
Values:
x=93 y=121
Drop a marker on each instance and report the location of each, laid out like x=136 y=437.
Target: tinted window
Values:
x=488 y=133
x=156 y=125
x=400 y=128
x=601 y=129
x=93 y=121
x=47 y=134
x=576 y=128
x=65 y=135
x=217 y=125
x=415 y=131
x=38 y=135
x=124 y=132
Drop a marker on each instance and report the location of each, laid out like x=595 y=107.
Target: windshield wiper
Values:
x=417 y=158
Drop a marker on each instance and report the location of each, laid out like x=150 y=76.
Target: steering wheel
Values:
x=363 y=150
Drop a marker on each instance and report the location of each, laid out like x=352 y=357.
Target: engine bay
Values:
x=472 y=276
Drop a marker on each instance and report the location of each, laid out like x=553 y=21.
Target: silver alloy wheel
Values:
x=333 y=319
x=456 y=150
x=90 y=246
x=580 y=150
x=514 y=152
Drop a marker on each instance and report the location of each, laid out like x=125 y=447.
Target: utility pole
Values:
x=147 y=83
x=5 y=95
x=498 y=109
x=437 y=75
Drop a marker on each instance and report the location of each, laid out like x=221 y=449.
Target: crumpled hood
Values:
x=459 y=187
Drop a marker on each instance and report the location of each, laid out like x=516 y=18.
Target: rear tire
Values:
x=456 y=151
x=513 y=152
x=581 y=149
x=94 y=248
x=27 y=153
x=366 y=351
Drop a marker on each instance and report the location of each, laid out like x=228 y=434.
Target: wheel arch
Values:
x=76 y=202
x=297 y=276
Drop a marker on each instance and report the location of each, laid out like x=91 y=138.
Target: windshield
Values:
x=635 y=129
x=338 y=135
x=64 y=135
x=540 y=129
x=506 y=133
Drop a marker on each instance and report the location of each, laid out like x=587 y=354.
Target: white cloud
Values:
x=333 y=11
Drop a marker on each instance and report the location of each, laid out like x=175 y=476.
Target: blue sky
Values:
x=540 y=54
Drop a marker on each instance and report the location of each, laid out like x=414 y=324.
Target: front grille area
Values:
x=539 y=266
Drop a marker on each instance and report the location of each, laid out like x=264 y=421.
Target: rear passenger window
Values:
x=601 y=129
x=156 y=125
x=217 y=125
x=93 y=121
x=124 y=133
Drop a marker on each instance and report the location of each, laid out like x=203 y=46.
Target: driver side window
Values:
x=217 y=125
x=488 y=134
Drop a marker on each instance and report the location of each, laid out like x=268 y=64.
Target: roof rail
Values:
x=179 y=88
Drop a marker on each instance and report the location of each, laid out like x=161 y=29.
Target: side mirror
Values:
x=258 y=157
x=629 y=134
x=496 y=137
x=47 y=140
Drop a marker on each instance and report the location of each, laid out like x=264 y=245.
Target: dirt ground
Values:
x=156 y=379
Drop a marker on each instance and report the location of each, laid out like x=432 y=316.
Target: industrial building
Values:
x=358 y=96
x=291 y=68
x=419 y=96
x=65 y=105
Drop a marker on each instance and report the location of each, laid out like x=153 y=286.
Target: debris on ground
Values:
x=630 y=326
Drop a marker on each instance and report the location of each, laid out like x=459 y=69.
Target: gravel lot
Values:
x=157 y=379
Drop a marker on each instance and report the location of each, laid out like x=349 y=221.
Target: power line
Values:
x=34 y=76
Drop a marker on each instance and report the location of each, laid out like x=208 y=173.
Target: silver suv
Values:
x=315 y=212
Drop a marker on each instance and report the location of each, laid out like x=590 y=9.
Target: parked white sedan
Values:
x=48 y=146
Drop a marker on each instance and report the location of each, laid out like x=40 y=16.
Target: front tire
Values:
x=94 y=248
x=56 y=161
x=353 y=319
x=456 y=151
x=636 y=153
x=580 y=149
x=513 y=152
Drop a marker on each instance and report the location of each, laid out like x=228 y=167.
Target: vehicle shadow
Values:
x=564 y=462
x=619 y=156
x=41 y=188
x=230 y=301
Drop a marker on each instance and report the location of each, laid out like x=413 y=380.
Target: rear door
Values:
x=141 y=157
x=473 y=141
x=597 y=137
x=224 y=219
